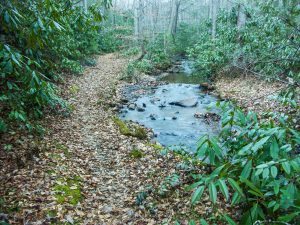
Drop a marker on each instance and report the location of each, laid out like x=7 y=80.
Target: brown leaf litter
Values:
x=251 y=93
x=84 y=172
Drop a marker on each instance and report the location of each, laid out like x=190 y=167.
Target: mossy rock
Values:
x=135 y=131
x=140 y=133
x=136 y=153
x=124 y=129
x=155 y=146
x=74 y=89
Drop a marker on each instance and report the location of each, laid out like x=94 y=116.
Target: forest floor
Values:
x=86 y=171
x=251 y=93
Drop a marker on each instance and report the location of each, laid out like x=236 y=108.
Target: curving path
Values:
x=85 y=151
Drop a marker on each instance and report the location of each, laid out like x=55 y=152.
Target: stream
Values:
x=174 y=109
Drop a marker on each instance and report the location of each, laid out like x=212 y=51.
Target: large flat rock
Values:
x=190 y=102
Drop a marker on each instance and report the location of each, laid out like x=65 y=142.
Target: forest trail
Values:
x=90 y=129
x=133 y=137
x=84 y=173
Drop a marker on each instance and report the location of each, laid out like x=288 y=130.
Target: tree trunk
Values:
x=137 y=20
x=85 y=5
x=241 y=21
x=210 y=9
x=174 y=17
x=241 y=17
x=139 y=26
x=215 y=6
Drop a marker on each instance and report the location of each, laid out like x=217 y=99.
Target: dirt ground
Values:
x=84 y=171
x=251 y=93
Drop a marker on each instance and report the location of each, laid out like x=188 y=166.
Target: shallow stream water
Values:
x=174 y=126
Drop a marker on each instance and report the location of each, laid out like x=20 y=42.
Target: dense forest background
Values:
x=261 y=38
x=254 y=162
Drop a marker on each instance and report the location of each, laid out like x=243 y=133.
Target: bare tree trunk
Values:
x=174 y=17
x=135 y=17
x=85 y=5
x=155 y=13
x=152 y=19
x=210 y=9
x=139 y=26
x=215 y=6
x=241 y=17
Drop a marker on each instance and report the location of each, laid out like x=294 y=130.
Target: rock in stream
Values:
x=191 y=102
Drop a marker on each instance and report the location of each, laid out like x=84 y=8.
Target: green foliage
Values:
x=268 y=43
x=157 y=57
x=139 y=132
x=3 y=126
x=124 y=129
x=68 y=190
x=158 y=53
x=156 y=147
x=39 y=39
x=255 y=165
x=144 y=66
x=8 y=147
x=64 y=149
x=131 y=51
x=116 y=32
x=213 y=55
x=109 y=40
x=141 y=197
x=170 y=182
x=134 y=68
x=135 y=153
x=254 y=162
x=270 y=39
x=187 y=36
x=74 y=89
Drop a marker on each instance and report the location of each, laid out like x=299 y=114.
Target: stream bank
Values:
x=251 y=93
x=174 y=105
x=87 y=172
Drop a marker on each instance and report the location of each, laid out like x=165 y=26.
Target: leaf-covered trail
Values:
x=90 y=130
x=85 y=153
x=95 y=132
